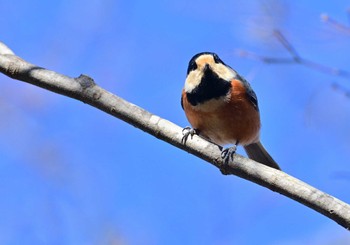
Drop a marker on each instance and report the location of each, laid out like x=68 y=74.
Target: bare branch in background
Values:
x=337 y=25
x=297 y=59
x=294 y=59
x=341 y=175
x=288 y=46
x=342 y=89
x=86 y=90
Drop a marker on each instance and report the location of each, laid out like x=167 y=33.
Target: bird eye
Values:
x=217 y=59
x=192 y=66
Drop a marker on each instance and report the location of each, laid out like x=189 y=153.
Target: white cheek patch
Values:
x=193 y=80
x=224 y=72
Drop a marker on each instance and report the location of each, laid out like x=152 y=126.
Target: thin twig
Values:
x=345 y=91
x=341 y=175
x=86 y=90
x=287 y=45
x=268 y=60
x=295 y=59
x=337 y=25
x=325 y=69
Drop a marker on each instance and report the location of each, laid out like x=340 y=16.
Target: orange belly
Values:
x=225 y=122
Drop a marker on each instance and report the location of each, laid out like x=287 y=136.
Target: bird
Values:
x=222 y=107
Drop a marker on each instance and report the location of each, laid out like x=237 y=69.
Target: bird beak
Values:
x=206 y=67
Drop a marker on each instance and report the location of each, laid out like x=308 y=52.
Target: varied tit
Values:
x=222 y=108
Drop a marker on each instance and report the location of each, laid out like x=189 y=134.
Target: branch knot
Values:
x=85 y=81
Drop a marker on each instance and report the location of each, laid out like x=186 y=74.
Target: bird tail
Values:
x=257 y=152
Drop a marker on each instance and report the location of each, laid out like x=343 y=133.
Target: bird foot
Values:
x=187 y=131
x=228 y=154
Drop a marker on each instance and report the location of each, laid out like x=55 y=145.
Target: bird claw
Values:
x=187 y=131
x=228 y=154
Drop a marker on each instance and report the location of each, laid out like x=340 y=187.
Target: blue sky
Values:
x=70 y=174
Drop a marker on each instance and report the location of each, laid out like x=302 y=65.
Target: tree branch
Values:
x=339 y=26
x=86 y=90
x=294 y=59
x=299 y=60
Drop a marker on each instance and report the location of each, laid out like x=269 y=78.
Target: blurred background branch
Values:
x=294 y=59
x=336 y=24
x=298 y=59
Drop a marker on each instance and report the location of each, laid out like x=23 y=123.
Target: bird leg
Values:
x=227 y=154
x=187 y=131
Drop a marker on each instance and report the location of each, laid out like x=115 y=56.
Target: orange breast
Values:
x=225 y=121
